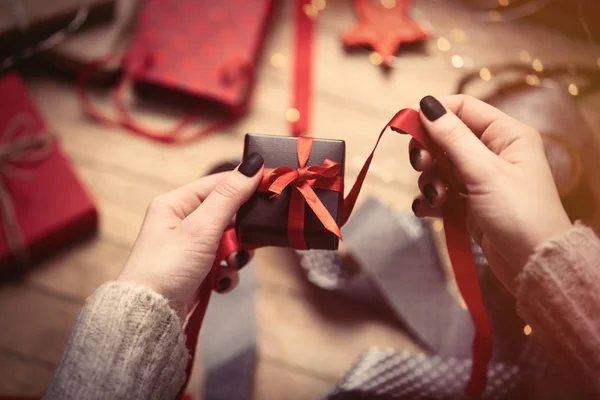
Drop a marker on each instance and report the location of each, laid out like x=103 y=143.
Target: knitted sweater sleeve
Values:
x=558 y=294
x=127 y=344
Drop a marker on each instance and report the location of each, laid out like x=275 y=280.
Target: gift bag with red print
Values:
x=204 y=49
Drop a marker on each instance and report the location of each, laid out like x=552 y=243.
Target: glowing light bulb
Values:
x=527 y=330
x=278 y=60
x=319 y=5
x=532 y=80
x=573 y=89
x=525 y=56
x=311 y=11
x=458 y=35
x=375 y=58
x=443 y=44
x=485 y=74
x=495 y=16
x=292 y=114
x=537 y=65
x=457 y=61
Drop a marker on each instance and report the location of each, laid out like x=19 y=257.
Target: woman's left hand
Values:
x=179 y=238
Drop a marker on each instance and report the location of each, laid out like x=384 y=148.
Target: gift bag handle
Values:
x=172 y=135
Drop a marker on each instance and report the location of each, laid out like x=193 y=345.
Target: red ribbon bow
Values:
x=303 y=180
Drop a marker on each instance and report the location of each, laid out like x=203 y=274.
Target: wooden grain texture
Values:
x=22 y=376
x=275 y=381
x=308 y=337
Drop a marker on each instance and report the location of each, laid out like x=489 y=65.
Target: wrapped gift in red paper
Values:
x=44 y=207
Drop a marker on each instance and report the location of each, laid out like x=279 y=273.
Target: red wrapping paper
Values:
x=51 y=207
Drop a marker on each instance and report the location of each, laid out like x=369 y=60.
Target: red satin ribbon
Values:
x=304 y=179
x=302 y=79
x=302 y=182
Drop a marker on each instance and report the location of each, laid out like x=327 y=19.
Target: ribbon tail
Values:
x=465 y=271
x=457 y=240
x=228 y=245
x=302 y=68
x=296 y=220
x=319 y=209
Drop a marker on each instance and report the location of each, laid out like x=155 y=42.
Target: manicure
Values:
x=223 y=284
x=430 y=193
x=242 y=257
x=432 y=108
x=251 y=165
x=414 y=156
x=415 y=205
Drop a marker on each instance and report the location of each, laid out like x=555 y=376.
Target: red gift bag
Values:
x=207 y=49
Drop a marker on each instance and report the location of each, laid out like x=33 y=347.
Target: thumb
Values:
x=215 y=213
x=464 y=149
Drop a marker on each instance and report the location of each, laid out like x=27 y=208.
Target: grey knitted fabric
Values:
x=127 y=344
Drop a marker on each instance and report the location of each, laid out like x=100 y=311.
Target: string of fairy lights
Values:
x=483 y=10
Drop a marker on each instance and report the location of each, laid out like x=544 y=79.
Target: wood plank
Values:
x=351 y=79
x=35 y=324
x=80 y=270
x=177 y=165
x=320 y=331
x=23 y=377
x=273 y=381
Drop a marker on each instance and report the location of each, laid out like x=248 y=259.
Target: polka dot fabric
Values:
x=387 y=373
x=204 y=48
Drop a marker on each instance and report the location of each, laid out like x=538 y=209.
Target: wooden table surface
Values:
x=302 y=356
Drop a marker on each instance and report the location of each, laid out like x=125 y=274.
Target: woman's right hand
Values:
x=512 y=204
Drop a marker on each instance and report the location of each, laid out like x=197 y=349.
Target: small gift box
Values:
x=43 y=205
x=299 y=201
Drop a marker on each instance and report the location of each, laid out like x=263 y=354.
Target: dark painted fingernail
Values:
x=223 y=284
x=414 y=156
x=415 y=205
x=251 y=165
x=432 y=108
x=242 y=258
x=430 y=193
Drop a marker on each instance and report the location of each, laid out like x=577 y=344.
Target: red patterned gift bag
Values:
x=207 y=49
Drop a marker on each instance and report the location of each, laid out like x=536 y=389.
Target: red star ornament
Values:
x=383 y=29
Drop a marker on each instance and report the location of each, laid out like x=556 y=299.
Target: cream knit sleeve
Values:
x=127 y=344
x=558 y=294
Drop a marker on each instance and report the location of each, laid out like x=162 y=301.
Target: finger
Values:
x=479 y=115
x=185 y=199
x=227 y=280
x=470 y=156
x=217 y=210
x=433 y=189
x=420 y=159
x=421 y=209
x=239 y=259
